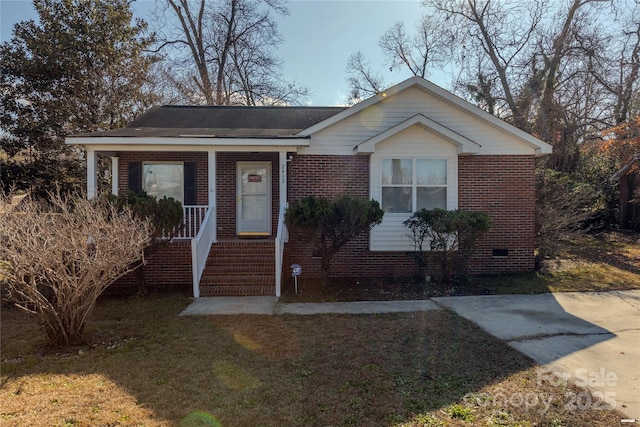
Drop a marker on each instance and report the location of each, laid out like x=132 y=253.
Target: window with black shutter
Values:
x=135 y=177
x=165 y=179
x=189 y=183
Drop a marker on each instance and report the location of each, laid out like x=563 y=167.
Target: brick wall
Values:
x=502 y=186
x=200 y=158
x=331 y=176
x=328 y=176
x=226 y=189
x=170 y=266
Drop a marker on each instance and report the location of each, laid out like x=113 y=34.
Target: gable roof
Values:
x=463 y=144
x=541 y=147
x=635 y=162
x=221 y=121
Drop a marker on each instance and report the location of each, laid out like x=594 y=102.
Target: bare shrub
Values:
x=60 y=256
x=564 y=207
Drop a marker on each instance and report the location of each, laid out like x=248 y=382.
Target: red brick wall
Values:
x=328 y=176
x=226 y=188
x=502 y=186
x=331 y=176
x=201 y=159
x=170 y=266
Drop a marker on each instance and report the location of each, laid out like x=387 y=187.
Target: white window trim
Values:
x=391 y=234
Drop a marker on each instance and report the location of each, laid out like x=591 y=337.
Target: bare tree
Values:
x=419 y=53
x=229 y=46
x=561 y=71
x=60 y=258
x=612 y=51
x=363 y=80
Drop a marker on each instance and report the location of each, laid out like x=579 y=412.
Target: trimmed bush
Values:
x=330 y=224
x=445 y=233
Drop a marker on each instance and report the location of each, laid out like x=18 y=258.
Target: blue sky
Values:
x=319 y=36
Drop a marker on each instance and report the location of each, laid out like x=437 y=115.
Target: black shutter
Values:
x=135 y=177
x=189 y=183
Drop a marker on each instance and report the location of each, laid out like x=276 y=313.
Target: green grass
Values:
x=147 y=366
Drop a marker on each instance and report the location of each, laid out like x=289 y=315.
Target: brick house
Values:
x=235 y=169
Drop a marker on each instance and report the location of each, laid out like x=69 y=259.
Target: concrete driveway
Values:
x=591 y=339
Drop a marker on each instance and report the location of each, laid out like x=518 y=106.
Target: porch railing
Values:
x=193 y=220
x=282 y=236
x=200 y=246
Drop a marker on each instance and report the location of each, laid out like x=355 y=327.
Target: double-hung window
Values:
x=409 y=185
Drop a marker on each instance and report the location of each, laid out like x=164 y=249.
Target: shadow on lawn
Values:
x=385 y=370
x=606 y=248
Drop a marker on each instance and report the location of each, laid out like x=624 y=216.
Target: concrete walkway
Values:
x=591 y=339
x=270 y=306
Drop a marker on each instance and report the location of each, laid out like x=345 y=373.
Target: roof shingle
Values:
x=222 y=121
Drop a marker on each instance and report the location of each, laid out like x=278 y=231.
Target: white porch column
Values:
x=283 y=179
x=211 y=176
x=114 y=175
x=92 y=170
x=280 y=238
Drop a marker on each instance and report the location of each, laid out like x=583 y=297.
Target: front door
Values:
x=254 y=199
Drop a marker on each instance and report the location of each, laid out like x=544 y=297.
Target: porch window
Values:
x=163 y=180
x=160 y=179
x=409 y=185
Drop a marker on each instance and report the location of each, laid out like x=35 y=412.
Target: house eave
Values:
x=190 y=141
x=624 y=169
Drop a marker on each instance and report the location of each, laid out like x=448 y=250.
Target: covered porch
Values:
x=234 y=199
x=229 y=169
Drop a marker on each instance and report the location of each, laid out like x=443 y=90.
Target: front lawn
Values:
x=147 y=366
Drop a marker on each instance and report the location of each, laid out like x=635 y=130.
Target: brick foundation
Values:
x=170 y=266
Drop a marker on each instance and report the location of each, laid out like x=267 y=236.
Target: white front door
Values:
x=254 y=199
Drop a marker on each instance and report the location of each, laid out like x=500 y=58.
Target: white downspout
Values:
x=283 y=203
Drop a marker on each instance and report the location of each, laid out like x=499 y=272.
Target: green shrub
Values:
x=166 y=214
x=447 y=232
x=330 y=224
x=166 y=217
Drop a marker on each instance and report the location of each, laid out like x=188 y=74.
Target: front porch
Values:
x=235 y=229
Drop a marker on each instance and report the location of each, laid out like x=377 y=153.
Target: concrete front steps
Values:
x=240 y=268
